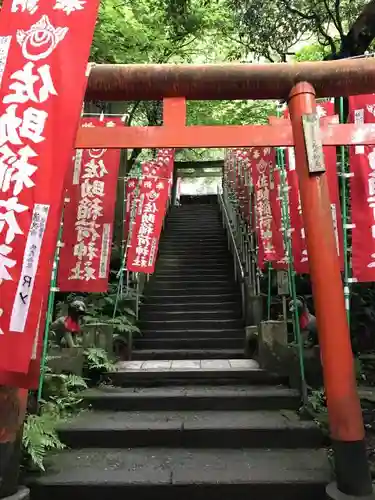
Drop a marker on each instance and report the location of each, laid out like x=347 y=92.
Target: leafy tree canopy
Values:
x=272 y=28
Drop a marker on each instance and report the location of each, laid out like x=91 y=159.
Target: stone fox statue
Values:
x=307 y=321
x=65 y=327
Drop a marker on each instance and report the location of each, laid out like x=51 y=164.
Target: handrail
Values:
x=230 y=232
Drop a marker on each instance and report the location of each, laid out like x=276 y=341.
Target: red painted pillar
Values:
x=344 y=410
x=13 y=403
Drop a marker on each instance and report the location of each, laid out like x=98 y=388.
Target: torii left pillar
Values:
x=13 y=403
x=344 y=410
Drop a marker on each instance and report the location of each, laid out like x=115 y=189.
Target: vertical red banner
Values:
x=330 y=159
x=45 y=46
x=263 y=159
x=325 y=111
x=88 y=217
x=299 y=249
x=276 y=208
x=132 y=184
x=362 y=195
x=154 y=190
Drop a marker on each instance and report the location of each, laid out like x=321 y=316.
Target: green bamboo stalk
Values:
x=269 y=297
x=49 y=316
x=344 y=195
x=291 y=273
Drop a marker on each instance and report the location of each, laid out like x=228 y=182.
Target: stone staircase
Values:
x=182 y=426
x=192 y=306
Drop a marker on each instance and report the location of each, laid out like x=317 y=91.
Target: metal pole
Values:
x=291 y=273
x=344 y=219
x=269 y=291
x=51 y=302
x=344 y=410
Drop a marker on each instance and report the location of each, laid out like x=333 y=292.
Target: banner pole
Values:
x=344 y=201
x=269 y=291
x=291 y=272
x=49 y=315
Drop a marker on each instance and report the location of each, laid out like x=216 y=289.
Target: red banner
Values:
x=43 y=58
x=88 y=217
x=362 y=184
x=276 y=207
x=151 y=207
x=132 y=184
x=240 y=166
x=154 y=190
x=325 y=111
x=263 y=160
x=330 y=160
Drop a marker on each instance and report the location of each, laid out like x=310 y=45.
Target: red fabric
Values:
x=88 y=217
x=275 y=201
x=71 y=325
x=276 y=204
x=41 y=92
x=132 y=185
x=334 y=195
x=299 y=249
x=30 y=379
x=362 y=165
x=262 y=160
x=304 y=320
x=154 y=191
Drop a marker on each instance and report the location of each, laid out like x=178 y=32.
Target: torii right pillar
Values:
x=353 y=478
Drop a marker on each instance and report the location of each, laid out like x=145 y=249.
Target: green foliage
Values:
x=40 y=437
x=61 y=397
x=274 y=29
x=317 y=407
x=229 y=112
x=61 y=392
x=97 y=359
x=313 y=52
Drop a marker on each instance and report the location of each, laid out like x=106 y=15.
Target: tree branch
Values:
x=132 y=112
x=293 y=10
x=361 y=33
x=338 y=18
x=312 y=17
x=333 y=16
x=330 y=41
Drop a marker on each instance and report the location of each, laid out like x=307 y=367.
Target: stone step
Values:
x=157 y=298
x=164 y=473
x=148 y=377
x=195 y=324
x=182 y=276
x=212 y=261
x=187 y=307
x=198 y=236
x=193 y=398
x=196 y=252
x=173 y=266
x=190 y=272
x=180 y=343
x=205 y=235
x=195 y=222
x=209 y=231
x=177 y=243
x=188 y=315
x=194 y=333
x=188 y=287
x=190 y=429
x=212 y=225
x=181 y=353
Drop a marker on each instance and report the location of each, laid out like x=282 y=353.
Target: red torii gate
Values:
x=299 y=84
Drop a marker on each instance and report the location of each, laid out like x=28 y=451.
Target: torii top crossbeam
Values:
x=229 y=81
